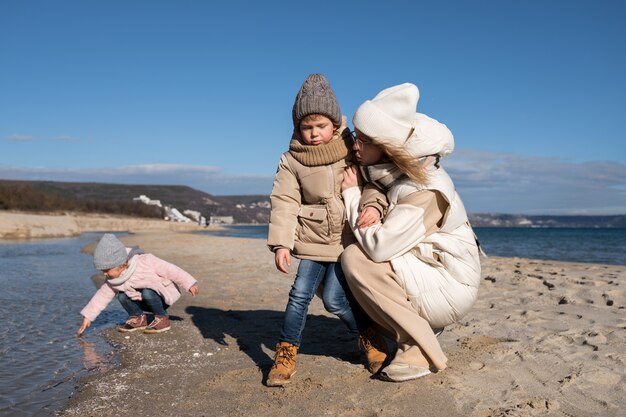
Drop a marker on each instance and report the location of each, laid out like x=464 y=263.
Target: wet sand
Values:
x=544 y=339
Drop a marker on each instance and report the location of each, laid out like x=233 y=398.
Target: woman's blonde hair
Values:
x=408 y=164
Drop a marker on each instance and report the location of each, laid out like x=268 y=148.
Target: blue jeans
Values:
x=334 y=296
x=151 y=302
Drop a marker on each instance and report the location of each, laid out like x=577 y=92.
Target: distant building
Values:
x=222 y=220
x=194 y=215
x=144 y=199
x=171 y=213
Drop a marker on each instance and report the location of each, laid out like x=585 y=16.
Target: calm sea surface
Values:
x=606 y=246
x=45 y=284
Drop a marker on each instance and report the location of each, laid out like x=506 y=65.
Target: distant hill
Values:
x=53 y=196
x=520 y=220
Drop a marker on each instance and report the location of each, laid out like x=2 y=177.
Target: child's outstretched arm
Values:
x=282 y=259
x=86 y=323
x=194 y=290
x=94 y=307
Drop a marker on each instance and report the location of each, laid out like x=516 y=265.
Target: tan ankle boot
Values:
x=375 y=349
x=284 y=365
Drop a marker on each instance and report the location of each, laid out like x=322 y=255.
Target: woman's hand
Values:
x=350 y=178
x=282 y=259
x=86 y=323
x=194 y=290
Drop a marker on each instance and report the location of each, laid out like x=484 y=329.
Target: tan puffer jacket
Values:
x=308 y=213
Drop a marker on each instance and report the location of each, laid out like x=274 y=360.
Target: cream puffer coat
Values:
x=440 y=272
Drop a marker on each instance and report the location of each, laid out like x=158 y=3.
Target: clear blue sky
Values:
x=200 y=93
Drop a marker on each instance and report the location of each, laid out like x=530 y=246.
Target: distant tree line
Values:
x=24 y=197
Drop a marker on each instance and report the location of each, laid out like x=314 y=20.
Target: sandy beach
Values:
x=21 y=225
x=544 y=339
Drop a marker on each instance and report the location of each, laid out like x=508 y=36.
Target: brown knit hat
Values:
x=316 y=97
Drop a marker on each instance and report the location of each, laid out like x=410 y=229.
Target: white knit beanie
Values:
x=390 y=116
x=110 y=253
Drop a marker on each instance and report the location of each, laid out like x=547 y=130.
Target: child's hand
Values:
x=369 y=217
x=350 y=178
x=86 y=323
x=282 y=259
x=194 y=290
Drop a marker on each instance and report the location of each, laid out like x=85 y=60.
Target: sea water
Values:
x=44 y=285
x=605 y=246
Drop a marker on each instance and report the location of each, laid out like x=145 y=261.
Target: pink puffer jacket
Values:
x=151 y=272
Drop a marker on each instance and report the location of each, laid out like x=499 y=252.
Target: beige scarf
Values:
x=382 y=175
x=316 y=155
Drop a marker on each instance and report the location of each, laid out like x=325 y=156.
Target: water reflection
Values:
x=92 y=360
x=45 y=285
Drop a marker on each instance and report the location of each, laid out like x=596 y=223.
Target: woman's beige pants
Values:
x=379 y=291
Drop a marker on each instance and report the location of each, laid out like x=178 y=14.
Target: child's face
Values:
x=113 y=273
x=317 y=131
x=365 y=151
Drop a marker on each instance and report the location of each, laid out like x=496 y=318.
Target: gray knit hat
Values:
x=109 y=253
x=316 y=97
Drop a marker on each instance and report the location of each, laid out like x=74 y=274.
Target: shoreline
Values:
x=16 y=225
x=545 y=338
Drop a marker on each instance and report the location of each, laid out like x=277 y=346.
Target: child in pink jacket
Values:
x=140 y=281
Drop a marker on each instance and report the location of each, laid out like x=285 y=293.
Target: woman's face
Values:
x=366 y=152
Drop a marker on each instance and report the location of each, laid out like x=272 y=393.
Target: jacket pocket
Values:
x=313 y=224
x=169 y=287
x=315 y=213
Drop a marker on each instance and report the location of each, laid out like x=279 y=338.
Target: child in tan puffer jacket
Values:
x=308 y=222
